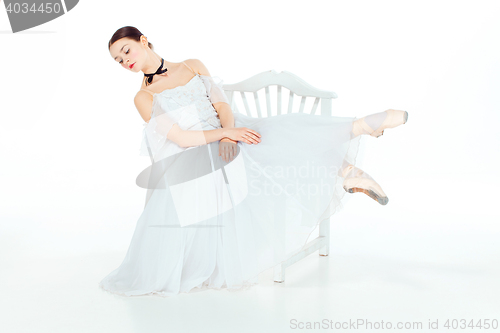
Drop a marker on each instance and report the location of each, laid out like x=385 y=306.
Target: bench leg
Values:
x=279 y=273
x=324 y=231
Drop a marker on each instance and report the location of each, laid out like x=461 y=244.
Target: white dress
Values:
x=211 y=224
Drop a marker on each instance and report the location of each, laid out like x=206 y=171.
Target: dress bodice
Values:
x=192 y=93
x=189 y=106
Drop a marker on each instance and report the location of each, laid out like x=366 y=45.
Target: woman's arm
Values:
x=223 y=109
x=165 y=126
x=227 y=147
x=225 y=114
x=229 y=132
x=194 y=138
x=226 y=118
x=144 y=103
x=191 y=138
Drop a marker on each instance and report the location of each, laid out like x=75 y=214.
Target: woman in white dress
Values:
x=228 y=195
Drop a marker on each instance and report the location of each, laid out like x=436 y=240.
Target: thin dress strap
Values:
x=152 y=94
x=190 y=68
x=149 y=91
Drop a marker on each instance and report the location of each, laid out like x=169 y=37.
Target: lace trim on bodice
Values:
x=193 y=92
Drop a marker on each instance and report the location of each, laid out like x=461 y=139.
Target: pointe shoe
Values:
x=356 y=180
x=393 y=119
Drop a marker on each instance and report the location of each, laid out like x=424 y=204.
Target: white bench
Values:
x=310 y=98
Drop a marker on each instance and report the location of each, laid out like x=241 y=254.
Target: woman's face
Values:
x=127 y=52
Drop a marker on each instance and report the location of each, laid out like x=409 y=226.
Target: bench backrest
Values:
x=260 y=85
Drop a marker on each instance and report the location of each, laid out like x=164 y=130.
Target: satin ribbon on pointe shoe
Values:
x=356 y=180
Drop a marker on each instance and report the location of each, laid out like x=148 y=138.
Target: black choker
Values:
x=158 y=71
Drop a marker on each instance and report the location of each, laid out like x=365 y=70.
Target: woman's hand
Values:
x=227 y=149
x=244 y=134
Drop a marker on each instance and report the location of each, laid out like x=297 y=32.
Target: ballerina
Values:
x=218 y=221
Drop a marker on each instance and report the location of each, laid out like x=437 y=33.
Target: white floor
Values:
x=69 y=140
x=404 y=262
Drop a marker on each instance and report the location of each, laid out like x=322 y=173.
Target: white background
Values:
x=70 y=138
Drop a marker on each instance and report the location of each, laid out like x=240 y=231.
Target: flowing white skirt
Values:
x=212 y=224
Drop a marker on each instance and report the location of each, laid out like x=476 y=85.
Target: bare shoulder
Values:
x=143 y=95
x=197 y=66
x=144 y=91
x=143 y=102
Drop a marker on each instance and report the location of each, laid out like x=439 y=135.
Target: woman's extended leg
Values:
x=356 y=180
x=376 y=123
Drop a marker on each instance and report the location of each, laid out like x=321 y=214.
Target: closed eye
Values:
x=125 y=53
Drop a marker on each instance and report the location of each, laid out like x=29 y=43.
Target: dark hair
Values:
x=127 y=32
